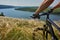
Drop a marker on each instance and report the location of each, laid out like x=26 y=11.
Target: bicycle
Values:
x=47 y=28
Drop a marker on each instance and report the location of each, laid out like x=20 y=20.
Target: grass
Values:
x=20 y=29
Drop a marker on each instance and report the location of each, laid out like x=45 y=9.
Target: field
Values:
x=21 y=29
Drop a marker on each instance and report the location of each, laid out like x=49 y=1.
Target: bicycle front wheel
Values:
x=40 y=34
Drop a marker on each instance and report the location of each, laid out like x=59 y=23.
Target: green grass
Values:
x=20 y=29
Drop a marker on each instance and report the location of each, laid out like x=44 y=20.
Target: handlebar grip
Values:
x=35 y=17
x=38 y=16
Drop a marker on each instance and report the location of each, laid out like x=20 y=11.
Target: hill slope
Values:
x=6 y=6
x=33 y=9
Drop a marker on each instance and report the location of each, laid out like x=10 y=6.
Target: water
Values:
x=24 y=14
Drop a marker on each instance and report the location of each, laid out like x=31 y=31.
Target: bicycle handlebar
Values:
x=47 y=14
x=44 y=14
x=38 y=17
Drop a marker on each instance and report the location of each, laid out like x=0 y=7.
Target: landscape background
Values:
x=16 y=23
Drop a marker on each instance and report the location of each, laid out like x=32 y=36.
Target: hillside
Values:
x=6 y=6
x=20 y=29
x=33 y=9
x=30 y=9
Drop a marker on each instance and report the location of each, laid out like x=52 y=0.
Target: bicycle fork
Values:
x=51 y=31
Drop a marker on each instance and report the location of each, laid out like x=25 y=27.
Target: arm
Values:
x=57 y=6
x=43 y=6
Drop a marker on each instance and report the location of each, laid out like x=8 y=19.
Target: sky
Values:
x=25 y=2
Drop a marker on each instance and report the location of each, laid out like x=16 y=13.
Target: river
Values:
x=11 y=12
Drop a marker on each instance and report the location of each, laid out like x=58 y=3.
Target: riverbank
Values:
x=20 y=29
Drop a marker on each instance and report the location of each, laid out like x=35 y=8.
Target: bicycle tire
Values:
x=38 y=34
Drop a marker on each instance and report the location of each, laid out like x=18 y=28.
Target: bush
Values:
x=1 y=14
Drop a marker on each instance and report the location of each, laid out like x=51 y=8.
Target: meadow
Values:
x=21 y=29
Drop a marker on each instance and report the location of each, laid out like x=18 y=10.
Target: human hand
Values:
x=36 y=16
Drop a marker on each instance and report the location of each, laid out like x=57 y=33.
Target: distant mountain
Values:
x=6 y=6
